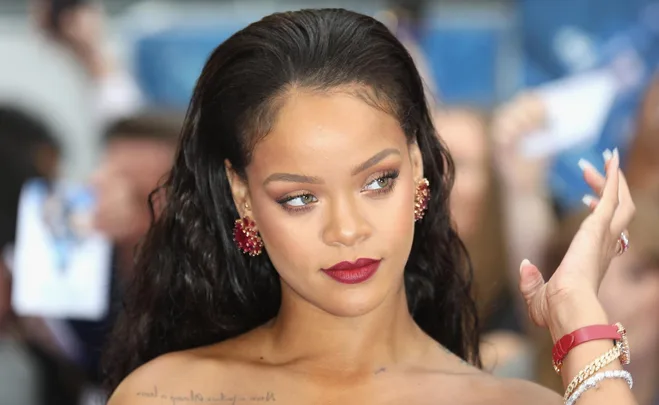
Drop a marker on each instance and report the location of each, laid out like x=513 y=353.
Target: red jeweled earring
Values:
x=421 y=198
x=247 y=237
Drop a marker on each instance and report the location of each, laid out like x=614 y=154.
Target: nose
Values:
x=346 y=225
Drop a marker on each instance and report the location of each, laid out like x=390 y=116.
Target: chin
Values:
x=354 y=304
x=350 y=301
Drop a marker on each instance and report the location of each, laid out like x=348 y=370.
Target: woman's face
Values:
x=630 y=295
x=333 y=181
x=464 y=135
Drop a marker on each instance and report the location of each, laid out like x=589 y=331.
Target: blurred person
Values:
x=31 y=364
x=629 y=293
x=476 y=208
x=81 y=31
x=526 y=200
x=139 y=152
x=322 y=149
x=465 y=132
x=21 y=377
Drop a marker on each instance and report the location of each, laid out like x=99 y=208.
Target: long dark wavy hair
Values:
x=192 y=286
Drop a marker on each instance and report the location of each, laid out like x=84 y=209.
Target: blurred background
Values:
x=524 y=92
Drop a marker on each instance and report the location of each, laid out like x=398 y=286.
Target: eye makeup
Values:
x=378 y=185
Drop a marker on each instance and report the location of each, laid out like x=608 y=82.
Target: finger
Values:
x=531 y=283
x=626 y=210
x=593 y=177
x=609 y=201
x=590 y=201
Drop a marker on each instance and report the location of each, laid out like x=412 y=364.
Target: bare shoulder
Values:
x=188 y=376
x=154 y=381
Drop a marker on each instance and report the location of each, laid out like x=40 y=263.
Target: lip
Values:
x=353 y=272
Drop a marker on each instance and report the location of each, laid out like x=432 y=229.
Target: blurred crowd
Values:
x=502 y=204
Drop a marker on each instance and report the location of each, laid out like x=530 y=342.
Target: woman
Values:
x=309 y=131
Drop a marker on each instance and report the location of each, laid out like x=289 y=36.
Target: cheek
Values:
x=290 y=240
x=393 y=217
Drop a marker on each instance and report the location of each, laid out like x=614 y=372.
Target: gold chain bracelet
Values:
x=601 y=362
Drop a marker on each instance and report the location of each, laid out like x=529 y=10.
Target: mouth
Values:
x=353 y=272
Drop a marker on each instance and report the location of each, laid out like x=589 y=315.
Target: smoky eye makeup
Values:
x=382 y=182
x=296 y=203
x=378 y=184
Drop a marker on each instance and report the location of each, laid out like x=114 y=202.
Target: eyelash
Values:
x=391 y=175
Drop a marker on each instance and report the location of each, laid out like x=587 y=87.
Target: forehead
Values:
x=316 y=129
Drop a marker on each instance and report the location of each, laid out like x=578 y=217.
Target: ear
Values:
x=239 y=190
x=417 y=162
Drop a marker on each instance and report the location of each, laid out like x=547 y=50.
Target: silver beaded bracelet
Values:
x=596 y=379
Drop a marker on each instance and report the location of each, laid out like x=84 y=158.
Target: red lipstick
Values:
x=353 y=272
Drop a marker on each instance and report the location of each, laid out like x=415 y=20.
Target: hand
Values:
x=511 y=122
x=571 y=293
x=81 y=31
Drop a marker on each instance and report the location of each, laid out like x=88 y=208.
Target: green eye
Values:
x=301 y=200
x=379 y=183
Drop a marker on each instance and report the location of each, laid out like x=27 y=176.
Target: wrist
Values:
x=575 y=312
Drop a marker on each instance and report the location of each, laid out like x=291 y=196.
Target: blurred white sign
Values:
x=61 y=265
x=577 y=108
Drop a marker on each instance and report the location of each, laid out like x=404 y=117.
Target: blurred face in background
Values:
x=464 y=133
x=131 y=168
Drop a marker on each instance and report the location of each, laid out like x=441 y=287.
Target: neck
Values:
x=386 y=336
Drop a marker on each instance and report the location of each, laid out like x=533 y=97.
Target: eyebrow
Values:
x=299 y=178
x=293 y=178
x=375 y=159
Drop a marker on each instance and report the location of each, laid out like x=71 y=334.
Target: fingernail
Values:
x=607 y=155
x=525 y=262
x=584 y=164
x=588 y=200
x=616 y=154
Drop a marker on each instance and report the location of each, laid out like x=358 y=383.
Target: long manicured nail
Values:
x=588 y=200
x=525 y=262
x=607 y=155
x=584 y=164
x=616 y=153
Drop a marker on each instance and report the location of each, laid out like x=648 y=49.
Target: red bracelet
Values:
x=589 y=333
